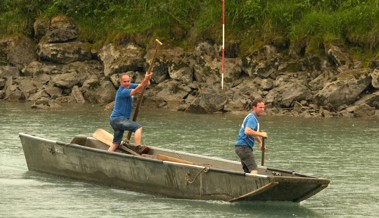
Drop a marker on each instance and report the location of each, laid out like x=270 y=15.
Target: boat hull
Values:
x=86 y=158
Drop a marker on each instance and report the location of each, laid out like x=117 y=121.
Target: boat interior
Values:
x=188 y=158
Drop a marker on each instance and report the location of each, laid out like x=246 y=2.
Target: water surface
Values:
x=344 y=150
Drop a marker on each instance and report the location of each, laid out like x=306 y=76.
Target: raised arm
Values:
x=143 y=84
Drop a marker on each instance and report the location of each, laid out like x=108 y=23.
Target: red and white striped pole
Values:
x=223 y=45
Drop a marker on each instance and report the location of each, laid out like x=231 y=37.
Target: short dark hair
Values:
x=256 y=101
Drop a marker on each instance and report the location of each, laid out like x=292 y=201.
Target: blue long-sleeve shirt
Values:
x=123 y=102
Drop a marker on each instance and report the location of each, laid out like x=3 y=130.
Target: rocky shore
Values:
x=55 y=68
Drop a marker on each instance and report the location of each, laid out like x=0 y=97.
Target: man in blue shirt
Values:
x=122 y=110
x=248 y=134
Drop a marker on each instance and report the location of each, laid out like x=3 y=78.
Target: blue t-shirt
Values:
x=243 y=139
x=123 y=102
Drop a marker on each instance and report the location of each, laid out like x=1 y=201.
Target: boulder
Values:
x=38 y=96
x=2 y=83
x=77 y=95
x=232 y=71
x=169 y=93
x=66 y=81
x=36 y=68
x=28 y=86
x=96 y=92
x=237 y=102
x=53 y=92
x=12 y=92
x=61 y=29
x=207 y=102
x=361 y=110
x=288 y=94
x=170 y=63
x=118 y=59
x=207 y=70
x=345 y=88
x=19 y=50
x=160 y=72
x=84 y=69
x=338 y=57
x=181 y=71
x=262 y=62
x=266 y=84
x=206 y=49
x=9 y=71
x=319 y=82
x=63 y=53
x=375 y=78
x=207 y=76
x=370 y=99
x=40 y=27
x=247 y=89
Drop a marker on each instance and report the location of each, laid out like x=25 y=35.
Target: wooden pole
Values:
x=158 y=43
x=263 y=153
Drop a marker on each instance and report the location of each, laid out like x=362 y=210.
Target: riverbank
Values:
x=61 y=69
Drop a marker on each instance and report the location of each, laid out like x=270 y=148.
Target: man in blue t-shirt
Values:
x=122 y=110
x=248 y=133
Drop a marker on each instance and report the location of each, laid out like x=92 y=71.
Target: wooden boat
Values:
x=165 y=172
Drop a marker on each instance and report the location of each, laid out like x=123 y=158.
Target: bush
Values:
x=249 y=22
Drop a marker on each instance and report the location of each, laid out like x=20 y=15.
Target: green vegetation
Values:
x=306 y=24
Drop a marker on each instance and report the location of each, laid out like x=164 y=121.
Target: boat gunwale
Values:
x=299 y=177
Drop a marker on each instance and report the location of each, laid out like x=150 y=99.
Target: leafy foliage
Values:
x=251 y=22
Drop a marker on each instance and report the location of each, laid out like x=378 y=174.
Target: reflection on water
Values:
x=340 y=149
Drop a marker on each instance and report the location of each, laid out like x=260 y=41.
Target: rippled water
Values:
x=340 y=149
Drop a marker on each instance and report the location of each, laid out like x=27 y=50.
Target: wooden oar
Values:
x=263 y=153
x=136 y=111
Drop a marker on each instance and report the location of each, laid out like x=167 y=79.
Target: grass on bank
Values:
x=306 y=25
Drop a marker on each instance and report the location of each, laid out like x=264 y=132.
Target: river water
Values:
x=344 y=150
